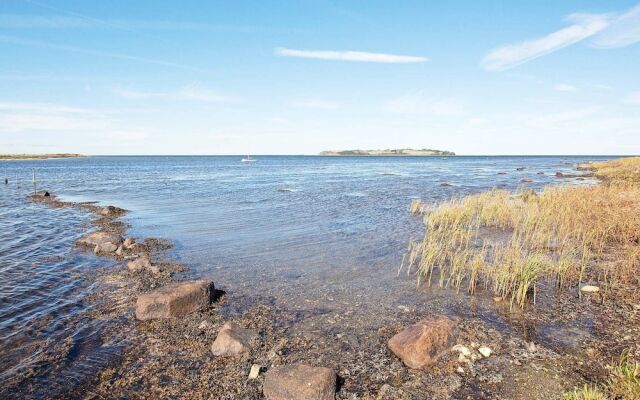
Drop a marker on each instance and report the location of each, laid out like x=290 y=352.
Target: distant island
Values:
x=37 y=156
x=388 y=152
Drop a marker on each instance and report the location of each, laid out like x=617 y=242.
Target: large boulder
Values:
x=421 y=344
x=299 y=382
x=233 y=340
x=175 y=300
x=100 y=238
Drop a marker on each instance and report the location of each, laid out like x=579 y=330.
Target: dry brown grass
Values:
x=508 y=243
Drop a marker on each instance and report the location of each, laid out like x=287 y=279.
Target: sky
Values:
x=299 y=77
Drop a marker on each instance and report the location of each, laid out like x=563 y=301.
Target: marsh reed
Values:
x=509 y=242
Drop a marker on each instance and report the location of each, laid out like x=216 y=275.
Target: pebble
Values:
x=589 y=289
x=255 y=371
x=463 y=350
x=485 y=351
x=460 y=370
x=531 y=347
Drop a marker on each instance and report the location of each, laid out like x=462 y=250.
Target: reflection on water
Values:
x=332 y=240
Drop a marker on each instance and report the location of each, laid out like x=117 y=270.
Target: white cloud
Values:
x=188 y=93
x=39 y=107
x=633 y=98
x=608 y=30
x=565 y=87
x=358 y=56
x=624 y=30
x=506 y=57
x=316 y=103
x=418 y=105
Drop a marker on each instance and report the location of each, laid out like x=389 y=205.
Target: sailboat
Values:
x=248 y=159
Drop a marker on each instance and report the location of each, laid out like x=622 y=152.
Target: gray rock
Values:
x=175 y=300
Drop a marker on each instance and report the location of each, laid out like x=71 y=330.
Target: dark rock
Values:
x=520 y=169
x=42 y=193
x=299 y=382
x=421 y=344
x=525 y=180
x=175 y=300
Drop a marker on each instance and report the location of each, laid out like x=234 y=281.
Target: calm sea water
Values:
x=295 y=230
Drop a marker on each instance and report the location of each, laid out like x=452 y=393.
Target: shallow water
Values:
x=324 y=235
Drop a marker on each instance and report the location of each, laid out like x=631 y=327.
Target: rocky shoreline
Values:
x=230 y=346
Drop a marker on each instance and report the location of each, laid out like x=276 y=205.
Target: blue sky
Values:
x=267 y=77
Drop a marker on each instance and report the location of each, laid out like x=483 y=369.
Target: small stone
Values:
x=485 y=351
x=462 y=350
x=589 y=289
x=205 y=325
x=255 y=371
x=422 y=343
x=531 y=347
x=119 y=250
x=299 y=382
x=175 y=300
x=404 y=308
x=233 y=340
x=462 y=359
x=128 y=242
x=460 y=370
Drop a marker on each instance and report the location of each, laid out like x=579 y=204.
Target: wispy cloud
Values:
x=414 y=104
x=315 y=103
x=97 y=53
x=76 y=21
x=624 y=30
x=608 y=30
x=358 y=56
x=186 y=93
x=18 y=116
x=633 y=98
x=565 y=87
x=506 y=57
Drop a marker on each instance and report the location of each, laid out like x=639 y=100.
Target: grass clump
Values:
x=586 y=393
x=508 y=243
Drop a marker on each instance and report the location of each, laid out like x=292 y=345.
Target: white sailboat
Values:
x=248 y=159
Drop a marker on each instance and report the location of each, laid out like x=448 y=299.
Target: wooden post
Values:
x=34 y=182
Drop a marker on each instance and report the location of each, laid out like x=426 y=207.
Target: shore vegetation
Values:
x=510 y=243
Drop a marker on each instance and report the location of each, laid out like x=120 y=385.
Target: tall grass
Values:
x=508 y=243
x=623 y=383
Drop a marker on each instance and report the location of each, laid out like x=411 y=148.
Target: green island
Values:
x=38 y=156
x=388 y=152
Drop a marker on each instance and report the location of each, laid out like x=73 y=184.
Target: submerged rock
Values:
x=233 y=340
x=525 y=180
x=299 y=382
x=106 y=247
x=100 y=238
x=142 y=263
x=110 y=211
x=175 y=300
x=421 y=344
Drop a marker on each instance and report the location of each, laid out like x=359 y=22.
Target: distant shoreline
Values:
x=38 y=156
x=389 y=152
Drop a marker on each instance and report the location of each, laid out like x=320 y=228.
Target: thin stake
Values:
x=34 y=182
